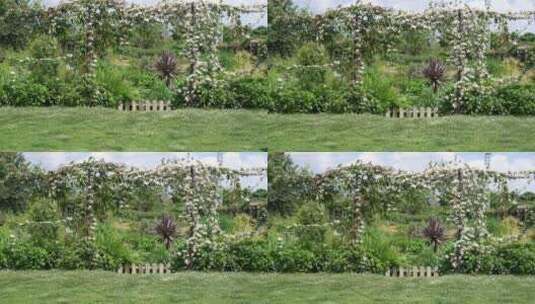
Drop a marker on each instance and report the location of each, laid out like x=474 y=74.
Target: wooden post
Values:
x=401 y=113
x=401 y=272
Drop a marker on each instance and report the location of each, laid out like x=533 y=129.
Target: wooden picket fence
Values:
x=413 y=272
x=145 y=269
x=145 y=106
x=414 y=112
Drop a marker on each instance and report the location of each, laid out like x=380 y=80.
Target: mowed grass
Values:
x=97 y=129
x=105 y=287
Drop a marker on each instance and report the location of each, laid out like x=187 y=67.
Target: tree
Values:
x=19 y=181
x=18 y=22
x=288 y=185
x=287 y=26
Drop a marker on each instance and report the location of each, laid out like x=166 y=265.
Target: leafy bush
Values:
x=251 y=92
x=111 y=248
x=44 y=225
x=114 y=81
x=313 y=57
x=311 y=220
x=44 y=62
x=24 y=255
x=516 y=99
x=515 y=258
x=259 y=255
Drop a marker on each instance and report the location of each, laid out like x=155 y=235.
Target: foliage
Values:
x=166 y=66
x=19 y=182
x=288 y=184
x=18 y=22
x=166 y=230
x=287 y=25
x=434 y=72
x=434 y=233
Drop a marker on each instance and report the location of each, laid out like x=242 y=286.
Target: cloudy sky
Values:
x=319 y=6
x=253 y=20
x=502 y=162
x=242 y=160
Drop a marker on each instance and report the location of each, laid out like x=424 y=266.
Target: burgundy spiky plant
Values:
x=166 y=66
x=166 y=230
x=435 y=72
x=434 y=233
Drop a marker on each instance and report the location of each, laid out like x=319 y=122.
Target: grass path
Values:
x=83 y=129
x=104 y=287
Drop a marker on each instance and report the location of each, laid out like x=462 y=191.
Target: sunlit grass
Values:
x=105 y=287
x=96 y=129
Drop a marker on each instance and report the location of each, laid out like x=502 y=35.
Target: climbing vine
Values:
x=87 y=191
x=466 y=190
x=466 y=30
x=103 y=23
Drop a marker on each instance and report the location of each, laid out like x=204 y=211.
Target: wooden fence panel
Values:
x=413 y=272
x=144 y=269
x=145 y=106
x=414 y=112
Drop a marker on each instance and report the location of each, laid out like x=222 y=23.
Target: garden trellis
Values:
x=103 y=186
x=109 y=22
x=466 y=189
x=467 y=32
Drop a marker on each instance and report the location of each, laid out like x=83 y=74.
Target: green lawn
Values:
x=102 y=287
x=83 y=129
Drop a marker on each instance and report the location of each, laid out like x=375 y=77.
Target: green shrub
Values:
x=516 y=99
x=515 y=259
x=24 y=255
x=112 y=247
x=311 y=220
x=23 y=91
x=44 y=225
x=295 y=100
x=250 y=92
x=381 y=88
x=259 y=255
x=313 y=57
x=44 y=63
x=116 y=84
